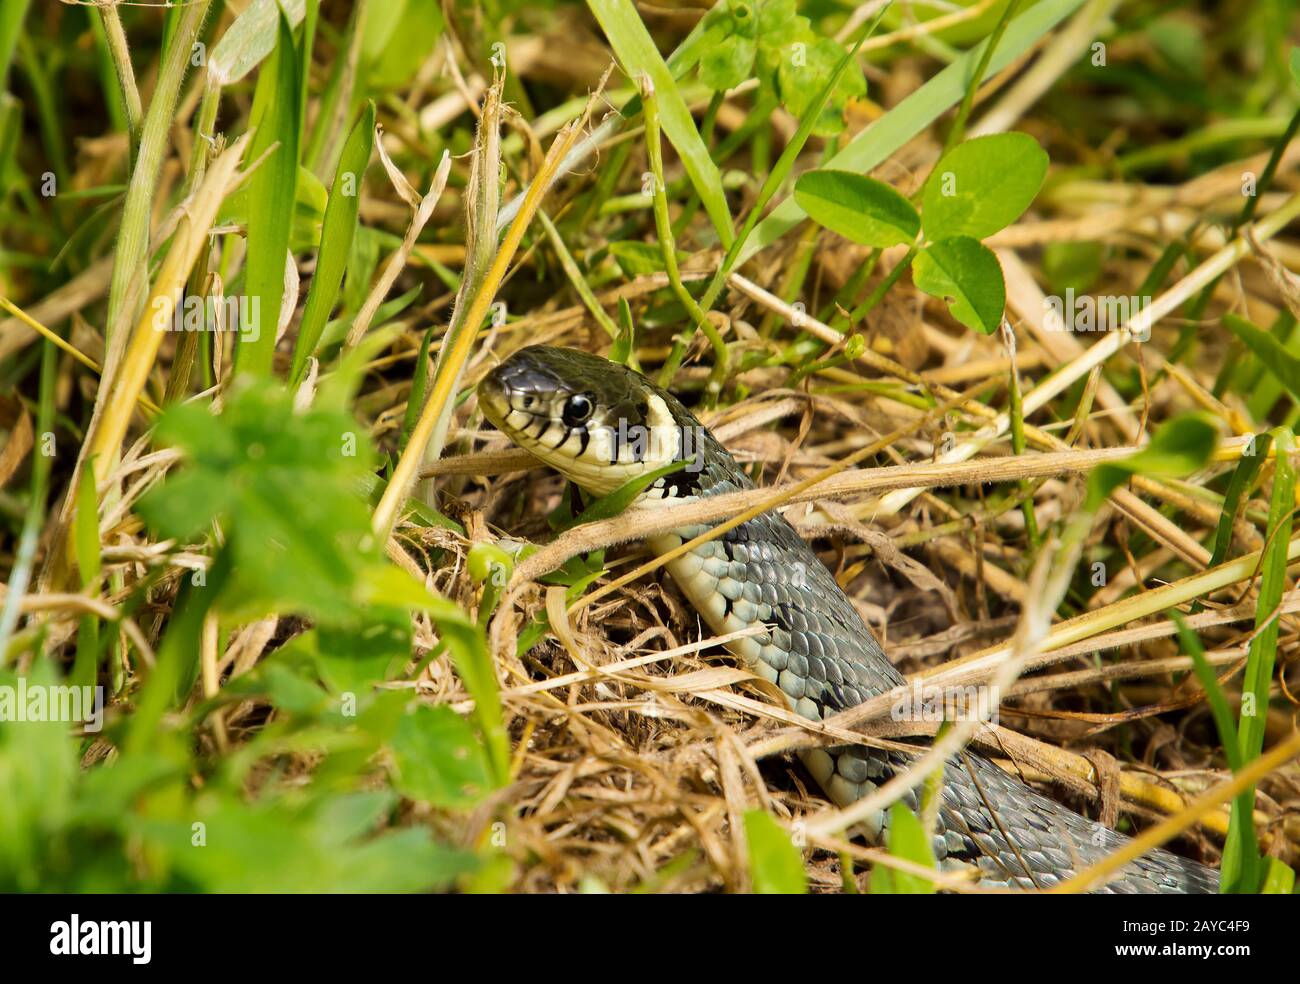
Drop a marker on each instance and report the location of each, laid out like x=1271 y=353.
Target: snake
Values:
x=603 y=425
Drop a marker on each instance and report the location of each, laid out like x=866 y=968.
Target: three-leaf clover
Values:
x=977 y=188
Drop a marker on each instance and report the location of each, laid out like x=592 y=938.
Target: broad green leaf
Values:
x=724 y=66
x=1295 y=65
x=802 y=78
x=918 y=111
x=1179 y=447
x=437 y=759
x=250 y=38
x=857 y=207
x=906 y=839
x=636 y=259
x=38 y=775
x=271 y=200
x=399 y=34
x=337 y=231
x=370 y=651
x=279 y=846
x=982 y=185
x=774 y=863
x=285 y=488
x=638 y=55
x=963 y=272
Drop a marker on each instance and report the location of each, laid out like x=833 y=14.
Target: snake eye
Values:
x=577 y=410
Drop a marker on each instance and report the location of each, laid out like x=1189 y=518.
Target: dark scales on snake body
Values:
x=601 y=424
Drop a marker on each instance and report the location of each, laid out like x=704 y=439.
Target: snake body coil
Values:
x=602 y=424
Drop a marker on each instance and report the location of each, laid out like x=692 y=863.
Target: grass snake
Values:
x=601 y=424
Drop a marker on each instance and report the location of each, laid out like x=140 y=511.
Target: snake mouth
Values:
x=494 y=399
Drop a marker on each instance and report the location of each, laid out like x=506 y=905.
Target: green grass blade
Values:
x=1241 y=867
x=12 y=15
x=908 y=840
x=1219 y=708
x=638 y=55
x=609 y=506
x=337 y=232
x=271 y=201
x=1241 y=832
x=918 y=111
x=1239 y=486
x=155 y=143
x=86 y=528
x=25 y=553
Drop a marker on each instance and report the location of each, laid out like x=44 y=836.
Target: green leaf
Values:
x=1181 y=446
x=271 y=200
x=355 y=658
x=1295 y=65
x=857 y=207
x=802 y=79
x=1270 y=352
x=281 y=846
x=286 y=489
x=906 y=839
x=337 y=231
x=1279 y=878
x=638 y=55
x=38 y=775
x=250 y=38
x=963 y=272
x=438 y=760
x=724 y=66
x=982 y=185
x=774 y=863
x=399 y=34
x=918 y=111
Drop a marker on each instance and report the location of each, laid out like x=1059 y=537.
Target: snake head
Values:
x=597 y=422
